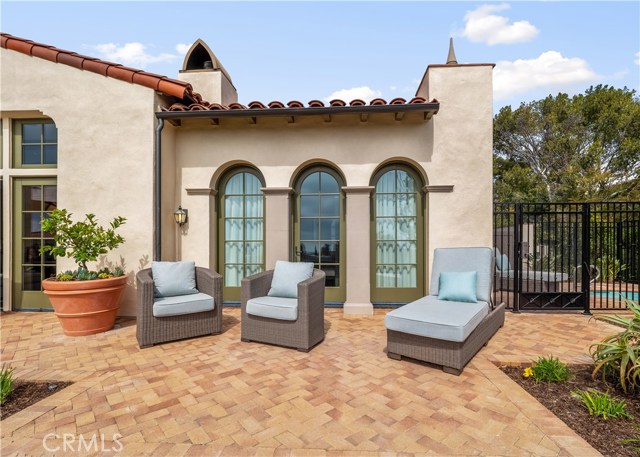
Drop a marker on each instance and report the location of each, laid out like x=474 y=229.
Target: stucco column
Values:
x=277 y=217
x=358 y=250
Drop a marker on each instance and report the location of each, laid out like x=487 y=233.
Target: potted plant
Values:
x=86 y=302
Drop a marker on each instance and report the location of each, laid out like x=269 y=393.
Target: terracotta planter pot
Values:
x=85 y=307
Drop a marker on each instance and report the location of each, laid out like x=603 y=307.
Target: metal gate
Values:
x=567 y=256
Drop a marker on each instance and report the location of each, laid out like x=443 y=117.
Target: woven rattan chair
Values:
x=304 y=332
x=417 y=329
x=154 y=330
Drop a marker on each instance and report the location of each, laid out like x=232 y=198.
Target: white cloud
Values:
x=364 y=93
x=638 y=58
x=549 y=70
x=482 y=26
x=183 y=48
x=132 y=54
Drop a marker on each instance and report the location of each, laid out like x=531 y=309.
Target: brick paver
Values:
x=218 y=396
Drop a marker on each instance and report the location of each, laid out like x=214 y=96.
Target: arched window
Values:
x=241 y=229
x=319 y=227
x=398 y=236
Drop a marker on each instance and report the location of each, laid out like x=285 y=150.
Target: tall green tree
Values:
x=580 y=148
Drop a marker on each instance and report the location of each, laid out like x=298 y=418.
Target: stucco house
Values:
x=366 y=191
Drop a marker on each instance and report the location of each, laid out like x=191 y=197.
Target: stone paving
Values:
x=215 y=395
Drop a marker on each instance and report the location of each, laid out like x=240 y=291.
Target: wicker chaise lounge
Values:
x=291 y=322
x=159 y=329
x=447 y=332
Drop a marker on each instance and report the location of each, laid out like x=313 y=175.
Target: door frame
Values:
x=37 y=300
x=333 y=295
x=395 y=295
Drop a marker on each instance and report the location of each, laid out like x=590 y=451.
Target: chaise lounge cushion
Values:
x=433 y=318
x=285 y=309
x=182 y=304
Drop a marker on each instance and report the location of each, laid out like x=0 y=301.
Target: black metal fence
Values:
x=567 y=256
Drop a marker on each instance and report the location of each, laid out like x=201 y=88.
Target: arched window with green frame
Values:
x=397 y=270
x=319 y=227
x=240 y=228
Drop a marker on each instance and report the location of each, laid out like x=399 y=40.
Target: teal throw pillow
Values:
x=286 y=277
x=458 y=286
x=173 y=278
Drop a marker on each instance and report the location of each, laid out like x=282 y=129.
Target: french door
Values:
x=33 y=200
x=319 y=228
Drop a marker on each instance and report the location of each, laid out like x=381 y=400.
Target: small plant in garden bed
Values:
x=602 y=405
x=84 y=241
x=6 y=383
x=618 y=355
x=549 y=369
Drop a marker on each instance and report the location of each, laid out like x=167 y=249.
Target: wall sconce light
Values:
x=181 y=216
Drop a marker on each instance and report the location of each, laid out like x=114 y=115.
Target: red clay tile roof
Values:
x=173 y=87
x=202 y=105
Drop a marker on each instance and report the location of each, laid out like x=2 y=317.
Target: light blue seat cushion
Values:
x=182 y=304
x=439 y=319
x=173 y=278
x=458 y=286
x=464 y=259
x=285 y=309
x=286 y=276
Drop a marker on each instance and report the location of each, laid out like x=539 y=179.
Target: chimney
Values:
x=207 y=76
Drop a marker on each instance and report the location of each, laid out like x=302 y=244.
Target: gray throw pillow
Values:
x=173 y=278
x=286 y=277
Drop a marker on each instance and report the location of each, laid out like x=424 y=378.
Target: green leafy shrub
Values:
x=618 y=355
x=602 y=405
x=6 y=383
x=549 y=369
x=83 y=241
x=610 y=267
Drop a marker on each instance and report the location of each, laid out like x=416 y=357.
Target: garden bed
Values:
x=604 y=435
x=26 y=393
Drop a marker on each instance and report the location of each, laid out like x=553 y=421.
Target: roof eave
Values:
x=427 y=108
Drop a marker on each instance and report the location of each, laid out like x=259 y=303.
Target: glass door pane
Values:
x=242 y=231
x=319 y=230
x=397 y=233
x=33 y=201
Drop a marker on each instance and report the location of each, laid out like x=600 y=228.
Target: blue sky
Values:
x=322 y=50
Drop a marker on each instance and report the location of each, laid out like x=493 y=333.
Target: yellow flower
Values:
x=527 y=372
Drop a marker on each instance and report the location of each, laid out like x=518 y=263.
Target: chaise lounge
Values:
x=449 y=326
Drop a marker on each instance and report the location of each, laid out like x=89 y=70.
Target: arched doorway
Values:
x=319 y=227
x=397 y=270
x=240 y=228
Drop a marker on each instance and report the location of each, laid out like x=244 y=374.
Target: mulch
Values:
x=27 y=393
x=604 y=435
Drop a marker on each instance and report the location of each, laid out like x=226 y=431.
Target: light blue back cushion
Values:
x=506 y=265
x=458 y=286
x=286 y=277
x=173 y=278
x=464 y=259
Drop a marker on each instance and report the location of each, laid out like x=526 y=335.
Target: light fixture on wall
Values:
x=181 y=216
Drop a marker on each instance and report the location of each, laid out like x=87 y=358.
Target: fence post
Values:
x=517 y=249
x=586 y=257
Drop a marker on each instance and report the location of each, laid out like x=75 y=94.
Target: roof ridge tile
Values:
x=169 y=86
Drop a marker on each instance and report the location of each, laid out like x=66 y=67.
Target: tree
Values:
x=582 y=148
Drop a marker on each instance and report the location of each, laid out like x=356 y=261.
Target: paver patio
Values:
x=218 y=396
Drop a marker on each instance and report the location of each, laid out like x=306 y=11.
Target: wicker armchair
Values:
x=153 y=330
x=302 y=333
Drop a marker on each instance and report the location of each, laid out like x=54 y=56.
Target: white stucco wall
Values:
x=105 y=149
x=462 y=145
